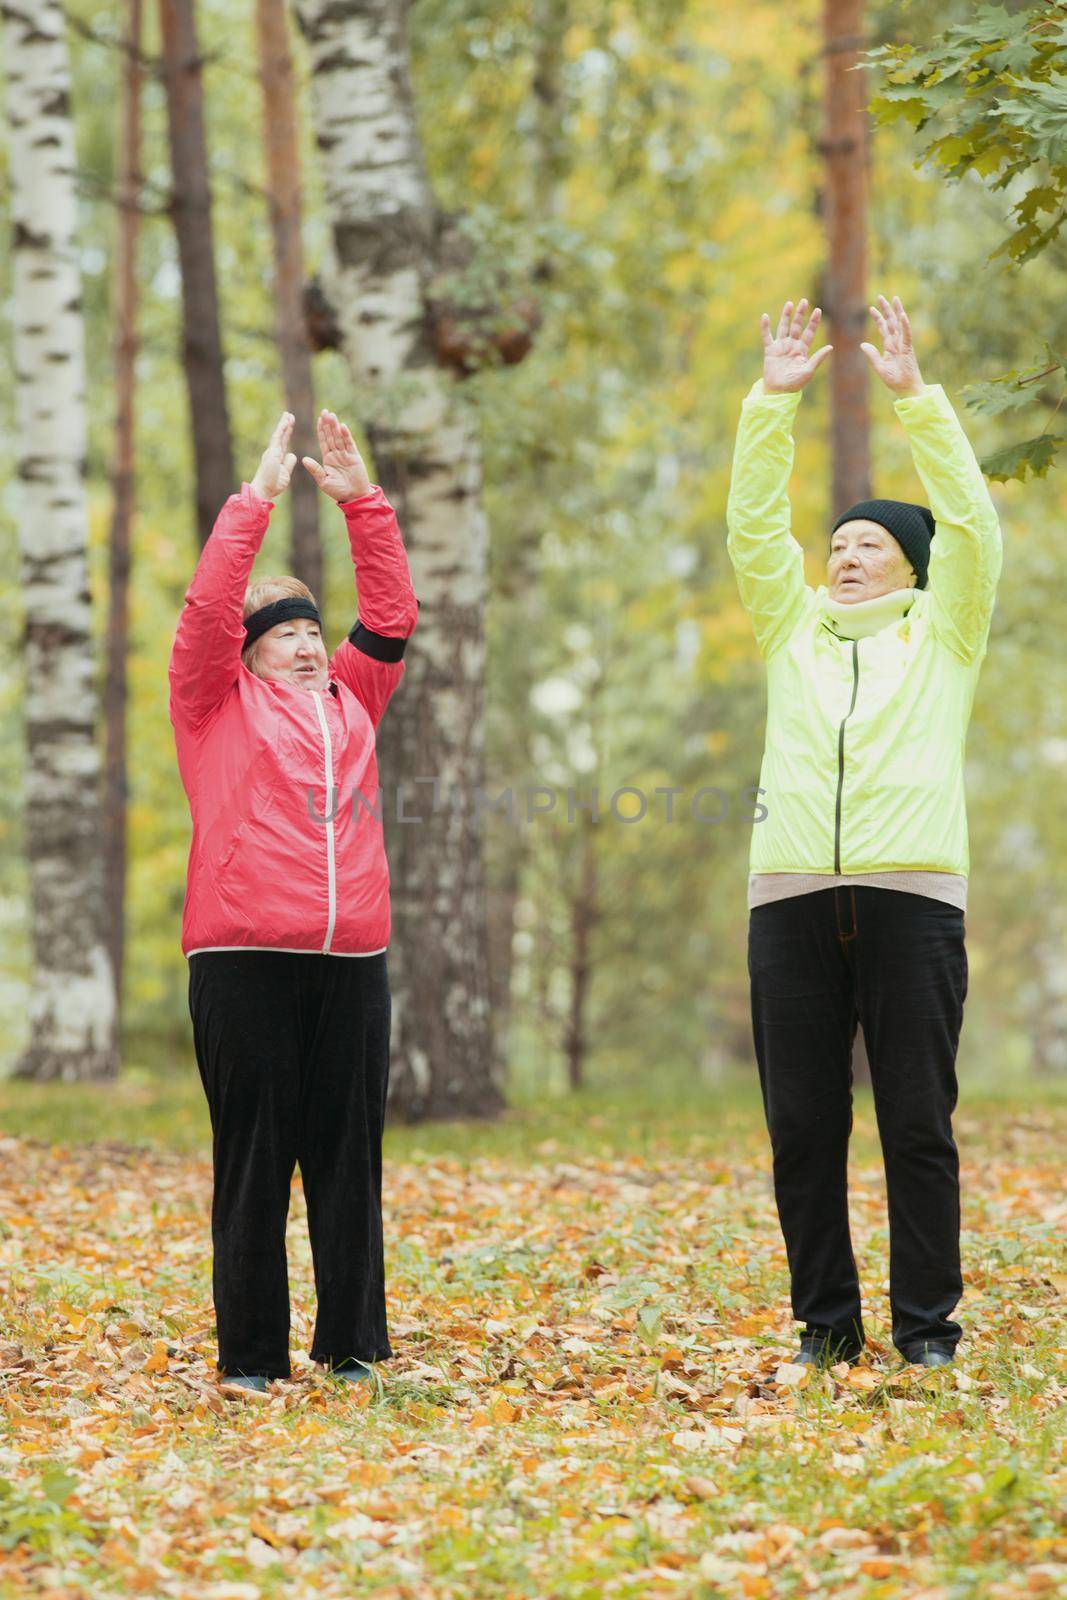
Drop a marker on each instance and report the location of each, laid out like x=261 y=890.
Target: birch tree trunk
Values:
x=845 y=152
x=72 y=999
x=122 y=488
x=387 y=236
x=191 y=209
x=283 y=184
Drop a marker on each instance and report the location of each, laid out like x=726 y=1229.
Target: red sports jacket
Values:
x=283 y=855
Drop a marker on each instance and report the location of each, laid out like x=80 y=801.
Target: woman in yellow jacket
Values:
x=858 y=870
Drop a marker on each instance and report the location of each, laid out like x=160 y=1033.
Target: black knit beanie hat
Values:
x=911 y=526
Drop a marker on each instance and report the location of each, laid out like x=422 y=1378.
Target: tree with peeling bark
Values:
x=191 y=210
x=389 y=242
x=284 y=199
x=73 y=1032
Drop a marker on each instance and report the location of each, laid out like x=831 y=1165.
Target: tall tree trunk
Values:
x=283 y=183
x=550 y=21
x=72 y=1000
x=844 y=148
x=122 y=489
x=1045 y=987
x=502 y=897
x=584 y=917
x=191 y=209
x=387 y=236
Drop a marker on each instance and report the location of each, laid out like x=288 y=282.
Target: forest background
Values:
x=674 y=189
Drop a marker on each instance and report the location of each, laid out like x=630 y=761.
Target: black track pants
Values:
x=293 y=1052
x=897 y=963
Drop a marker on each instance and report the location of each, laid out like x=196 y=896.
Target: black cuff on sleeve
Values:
x=379 y=646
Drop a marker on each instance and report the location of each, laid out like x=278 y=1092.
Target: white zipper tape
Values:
x=331 y=869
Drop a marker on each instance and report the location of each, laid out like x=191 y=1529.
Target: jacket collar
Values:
x=858 y=618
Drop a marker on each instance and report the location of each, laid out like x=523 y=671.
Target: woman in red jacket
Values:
x=286 y=916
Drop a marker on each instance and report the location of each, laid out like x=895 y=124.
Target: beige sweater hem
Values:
x=764 y=887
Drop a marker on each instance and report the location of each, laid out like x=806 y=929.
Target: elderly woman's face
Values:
x=294 y=652
x=865 y=560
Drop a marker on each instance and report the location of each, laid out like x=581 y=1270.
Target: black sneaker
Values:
x=928 y=1354
x=825 y=1350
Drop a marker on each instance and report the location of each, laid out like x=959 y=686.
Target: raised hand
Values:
x=341 y=473
x=896 y=365
x=276 y=464
x=787 y=360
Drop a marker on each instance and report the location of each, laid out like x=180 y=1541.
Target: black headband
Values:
x=293 y=605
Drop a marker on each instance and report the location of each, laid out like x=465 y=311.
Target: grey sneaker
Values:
x=249 y=1382
x=352 y=1371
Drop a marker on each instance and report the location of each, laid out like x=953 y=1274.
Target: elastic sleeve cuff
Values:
x=254 y=499
x=374 y=492
x=933 y=394
x=782 y=399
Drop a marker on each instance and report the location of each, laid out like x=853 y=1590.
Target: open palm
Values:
x=896 y=364
x=341 y=473
x=787 y=360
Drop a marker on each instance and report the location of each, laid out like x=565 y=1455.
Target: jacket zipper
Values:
x=841 y=754
x=331 y=870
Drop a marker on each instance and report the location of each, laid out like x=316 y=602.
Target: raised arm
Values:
x=205 y=658
x=768 y=562
x=369 y=661
x=966 y=550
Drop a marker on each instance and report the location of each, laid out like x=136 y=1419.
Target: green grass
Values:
x=166 y=1109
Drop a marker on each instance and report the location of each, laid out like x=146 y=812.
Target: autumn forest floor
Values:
x=589 y=1305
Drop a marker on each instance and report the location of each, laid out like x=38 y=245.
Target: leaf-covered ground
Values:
x=591 y=1394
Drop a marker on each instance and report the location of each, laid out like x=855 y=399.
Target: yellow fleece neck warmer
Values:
x=857 y=618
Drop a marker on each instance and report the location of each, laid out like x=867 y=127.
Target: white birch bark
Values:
x=386 y=234
x=72 y=1011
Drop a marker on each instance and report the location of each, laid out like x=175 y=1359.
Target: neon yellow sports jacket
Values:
x=863 y=765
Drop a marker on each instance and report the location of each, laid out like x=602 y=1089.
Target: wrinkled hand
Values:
x=787 y=362
x=341 y=474
x=896 y=366
x=276 y=464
